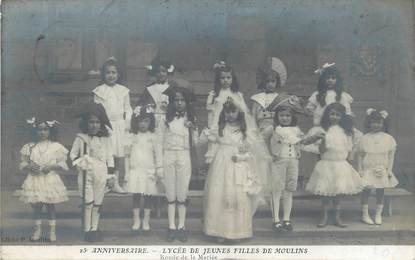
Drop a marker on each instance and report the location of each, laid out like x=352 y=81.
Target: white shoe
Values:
x=378 y=216
x=38 y=231
x=117 y=188
x=136 y=225
x=365 y=215
x=52 y=231
x=136 y=219
x=146 y=220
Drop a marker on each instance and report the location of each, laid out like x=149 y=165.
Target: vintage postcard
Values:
x=185 y=129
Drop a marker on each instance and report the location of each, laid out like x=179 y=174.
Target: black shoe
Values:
x=171 y=235
x=88 y=236
x=182 y=235
x=277 y=227
x=286 y=224
x=97 y=235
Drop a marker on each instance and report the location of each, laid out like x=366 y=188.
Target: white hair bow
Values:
x=325 y=66
x=170 y=69
x=383 y=113
x=31 y=121
x=148 y=109
x=220 y=64
x=52 y=123
x=112 y=58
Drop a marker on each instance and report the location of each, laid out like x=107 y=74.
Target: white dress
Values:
x=44 y=187
x=314 y=106
x=261 y=155
x=116 y=101
x=333 y=175
x=376 y=155
x=231 y=188
x=144 y=159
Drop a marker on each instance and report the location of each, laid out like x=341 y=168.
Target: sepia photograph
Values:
x=207 y=130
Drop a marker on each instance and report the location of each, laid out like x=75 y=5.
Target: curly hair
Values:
x=217 y=86
x=294 y=119
x=230 y=107
x=322 y=85
x=103 y=69
x=264 y=75
x=376 y=116
x=83 y=124
x=136 y=119
x=346 y=121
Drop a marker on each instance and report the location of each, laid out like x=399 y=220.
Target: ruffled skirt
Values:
x=331 y=178
x=44 y=188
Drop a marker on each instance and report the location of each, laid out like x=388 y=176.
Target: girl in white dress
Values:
x=375 y=153
x=226 y=88
x=232 y=187
x=144 y=157
x=43 y=160
x=116 y=100
x=333 y=175
x=329 y=90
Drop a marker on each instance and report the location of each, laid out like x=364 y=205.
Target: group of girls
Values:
x=252 y=154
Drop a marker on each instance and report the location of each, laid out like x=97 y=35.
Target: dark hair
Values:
x=230 y=107
x=110 y=62
x=53 y=132
x=136 y=119
x=322 y=85
x=171 y=109
x=156 y=64
x=375 y=116
x=346 y=121
x=83 y=124
x=294 y=119
x=217 y=87
x=263 y=76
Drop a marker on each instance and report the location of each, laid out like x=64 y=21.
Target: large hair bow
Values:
x=33 y=122
x=383 y=113
x=219 y=65
x=143 y=109
x=325 y=66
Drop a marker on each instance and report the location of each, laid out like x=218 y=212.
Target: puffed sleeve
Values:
x=25 y=155
x=392 y=143
x=347 y=99
x=61 y=156
x=312 y=103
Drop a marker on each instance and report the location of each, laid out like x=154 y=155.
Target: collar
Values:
x=103 y=91
x=180 y=114
x=260 y=98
